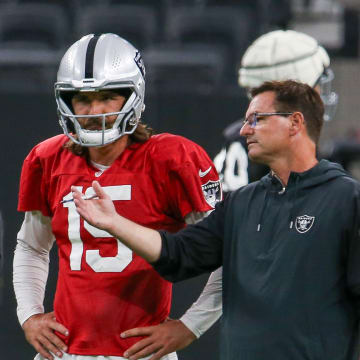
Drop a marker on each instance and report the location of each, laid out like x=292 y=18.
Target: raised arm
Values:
x=190 y=252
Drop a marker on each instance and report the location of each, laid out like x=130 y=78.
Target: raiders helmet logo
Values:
x=304 y=223
x=212 y=192
x=140 y=63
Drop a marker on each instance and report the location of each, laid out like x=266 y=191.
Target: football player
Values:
x=161 y=181
x=277 y=55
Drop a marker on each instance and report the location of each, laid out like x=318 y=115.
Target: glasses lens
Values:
x=253 y=120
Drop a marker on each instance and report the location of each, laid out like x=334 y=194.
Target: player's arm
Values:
x=30 y=272
x=175 y=256
x=208 y=307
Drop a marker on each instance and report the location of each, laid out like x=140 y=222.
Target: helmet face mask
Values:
x=125 y=123
x=328 y=96
x=116 y=66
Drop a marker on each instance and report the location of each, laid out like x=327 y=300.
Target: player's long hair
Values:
x=141 y=134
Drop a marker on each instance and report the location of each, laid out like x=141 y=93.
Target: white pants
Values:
x=171 y=356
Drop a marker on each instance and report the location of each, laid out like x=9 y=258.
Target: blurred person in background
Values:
x=346 y=151
x=162 y=181
x=277 y=55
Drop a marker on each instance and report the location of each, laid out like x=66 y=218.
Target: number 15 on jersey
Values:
x=93 y=258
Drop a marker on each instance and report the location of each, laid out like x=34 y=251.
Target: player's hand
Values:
x=160 y=340
x=39 y=332
x=98 y=212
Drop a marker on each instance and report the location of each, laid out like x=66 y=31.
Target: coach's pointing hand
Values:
x=98 y=211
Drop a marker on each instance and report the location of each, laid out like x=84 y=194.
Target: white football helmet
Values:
x=289 y=55
x=95 y=63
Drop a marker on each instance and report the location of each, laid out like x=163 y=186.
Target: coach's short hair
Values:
x=291 y=96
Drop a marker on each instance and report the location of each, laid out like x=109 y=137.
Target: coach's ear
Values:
x=297 y=123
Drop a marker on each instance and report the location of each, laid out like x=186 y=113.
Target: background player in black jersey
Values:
x=277 y=55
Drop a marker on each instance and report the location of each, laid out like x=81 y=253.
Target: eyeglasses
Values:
x=253 y=118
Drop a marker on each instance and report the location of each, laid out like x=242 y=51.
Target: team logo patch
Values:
x=140 y=63
x=212 y=192
x=304 y=223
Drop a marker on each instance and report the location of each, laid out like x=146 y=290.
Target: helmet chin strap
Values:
x=329 y=97
x=92 y=139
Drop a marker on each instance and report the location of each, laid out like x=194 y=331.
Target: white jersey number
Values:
x=93 y=258
x=226 y=163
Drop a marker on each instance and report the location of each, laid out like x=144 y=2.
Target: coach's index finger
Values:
x=99 y=191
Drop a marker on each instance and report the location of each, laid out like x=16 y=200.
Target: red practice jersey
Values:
x=104 y=288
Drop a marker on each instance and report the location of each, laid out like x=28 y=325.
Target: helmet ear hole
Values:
x=70 y=126
x=125 y=92
x=67 y=98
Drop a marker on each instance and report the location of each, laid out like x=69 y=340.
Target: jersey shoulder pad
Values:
x=175 y=148
x=48 y=147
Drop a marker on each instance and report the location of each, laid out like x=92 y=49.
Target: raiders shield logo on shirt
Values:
x=304 y=223
x=212 y=192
